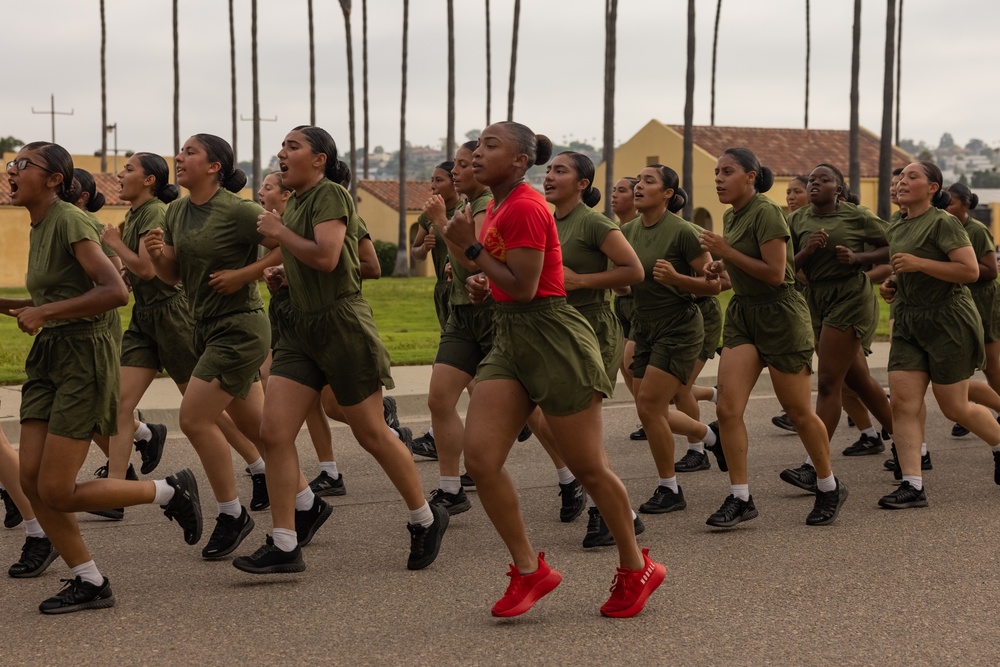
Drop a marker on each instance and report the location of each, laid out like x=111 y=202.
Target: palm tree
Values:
x=489 y=74
x=312 y=64
x=177 y=88
x=232 y=70
x=715 y=49
x=688 y=167
x=364 y=75
x=885 y=143
x=808 y=50
x=256 y=97
x=449 y=147
x=513 y=60
x=345 y=6
x=104 y=98
x=610 y=47
x=854 y=168
x=402 y=265
x=899 y=65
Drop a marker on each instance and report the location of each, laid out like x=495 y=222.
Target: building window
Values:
x=703 y=219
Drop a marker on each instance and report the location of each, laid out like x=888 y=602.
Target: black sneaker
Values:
x=865 y=446
x=455 y=503
x=638 y=434
x=693 y=461
x=573 y=501
x=803 y=477
x=424 y=446
x=389 y=412
x=716 y=449
x=664 y=500
x=827 y=505
x=185 y=506
x=598 y=533
x=850 y=422
x=36 y=556
x=466 y=481
x=269 y=559
x=959 y=431
x=307 y=522
x=893 y=464
x=229 y=532
x=324 y=485
x=12 y=517
x=733 y=511
x=77 y=595
x=524 y=434
x=117 y=514
x=260 y=500
x=783 y=422
x=151 y=450
x=996 y=467
x=405 y=436
x=425 y=543
x=904 y=497
x=102 y=473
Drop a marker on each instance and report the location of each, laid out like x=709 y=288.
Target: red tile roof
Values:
x=791 y=152
x=106 y=184
x=417 y=193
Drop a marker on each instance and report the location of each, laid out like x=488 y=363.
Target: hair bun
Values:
x=544 y=151
x=168 y=193
x=765 y=179
x=96 y=203
x=941 y=199
x=678 y=201
x=591 y=196
x=973 y=201
x=235 y=181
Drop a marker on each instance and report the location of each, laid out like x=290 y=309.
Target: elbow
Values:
x=147 y=273
x=776 y=279
x=328 y=264
x=636 y=275
x=120 y=296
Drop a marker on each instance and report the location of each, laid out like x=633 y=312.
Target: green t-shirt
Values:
x=314 y=290
x=849 y=226
x=54 y=274
x=219 y=234
x=931 y=235
x=982 y=243
x=670 y=238
x=439 y=254
x=581 y=234
x=459 y=274
x=137 y=223
x=99 y=228
x=760 y=221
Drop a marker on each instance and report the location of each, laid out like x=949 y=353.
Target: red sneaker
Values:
x=524 y=590
x=631 y=588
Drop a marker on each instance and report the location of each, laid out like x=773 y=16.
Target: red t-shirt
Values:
x=524 y=221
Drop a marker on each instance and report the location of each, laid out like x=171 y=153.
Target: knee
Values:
x=648 y=408
x=799 y=413
x=828 y=385
x=29 y=484
x=441 y=402
x=727 y=411
x=55 y=496
x=191 y=425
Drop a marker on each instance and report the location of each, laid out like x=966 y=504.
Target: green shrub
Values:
x=386 y=253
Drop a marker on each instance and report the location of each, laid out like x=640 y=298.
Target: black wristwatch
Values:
x=473 y=251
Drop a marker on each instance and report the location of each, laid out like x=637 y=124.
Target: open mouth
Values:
x=13 y=186
x=282 y=167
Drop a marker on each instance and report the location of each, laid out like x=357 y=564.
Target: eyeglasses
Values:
x=23 y=163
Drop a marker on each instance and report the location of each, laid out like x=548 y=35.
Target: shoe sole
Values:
x=154 y=461
x=707 y=466
x=114 y=515
x=236 y=543
x=537 y=592
x=432 y=457
x=567 y=518
x=427 y=560
x=636 y=438
x=676 y=507
x=38 y=570
x=868 y=451
x=901 y=506
x=784 y=427
x=284 y=568
x=788 y=479
x=191 y=484
x=746 y=516
x=320 y=520
x=609 y=541
x=654 y=581
x=840 y=503
x=457 y=509
x=327 y=493
x=12 y=521
x=103 y=603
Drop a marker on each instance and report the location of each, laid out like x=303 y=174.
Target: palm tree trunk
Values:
x=489 y=74
x=715 y=50
x=402 y=265
x=256 y=98
x=449 y=148
x=513 y=60
x=345 y=5
x=610 y=47
x=808 y=54
x=885 y=144
x=899 y=65
x=364 y=76
x=104 y=98
x=688 y=167
x=854 y=168
x=312 y=67
x=177 y=87
x=232 y=72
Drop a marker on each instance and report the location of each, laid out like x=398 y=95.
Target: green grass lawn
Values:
x=403 y=310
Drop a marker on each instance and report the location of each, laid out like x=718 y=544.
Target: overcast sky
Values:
x=53 y=46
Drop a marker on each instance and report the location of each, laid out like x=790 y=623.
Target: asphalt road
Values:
x=913 y=587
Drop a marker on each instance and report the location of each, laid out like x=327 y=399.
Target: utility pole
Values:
x=52 y=112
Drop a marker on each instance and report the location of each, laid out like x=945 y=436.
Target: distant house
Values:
x=378 y=206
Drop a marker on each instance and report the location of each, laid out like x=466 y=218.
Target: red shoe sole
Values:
x=655 y=579
x=540 y=590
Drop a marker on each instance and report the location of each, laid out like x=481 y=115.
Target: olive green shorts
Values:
x=669 y=342
x=442 y=301
x=985 y=296
x=945 y=340
x=467 y=337
x=549 y=348
x=161 y=336
x=777 y=324
x=73 y=379
x=711 y=315
x=278 y=312
x=624 y=310
x=231 y=348
x=844 y=304
x=339 y=346
x=609 y=336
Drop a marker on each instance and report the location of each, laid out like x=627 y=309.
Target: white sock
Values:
x=923 y=449
x=709 y=438
x=915 y=481
x=669 y=482
x=590 y=502
x=164 y=492
x=232 y=508
x=634 y=517
x=697 y=447
x=88 y=572
x=304 y=499
x=565 y=476
x=257 y=467
x=451 y=484
x=33 y=529
x=284 y=539
x=826 y=484
x=142 y=433
x=330 y=468
x=809 y=462
x=871 y=433
x=741 y=491
x=394 y=431
x=422 y=517
x=430 y=431
x=715 y=395
x=2 y=487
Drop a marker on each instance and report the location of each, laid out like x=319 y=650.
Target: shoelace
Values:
x=619 y=585
x=101 y=472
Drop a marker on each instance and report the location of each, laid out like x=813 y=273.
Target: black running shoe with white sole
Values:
x=77 y=595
